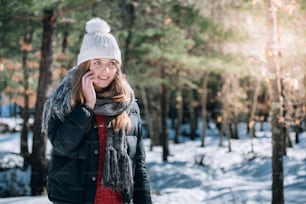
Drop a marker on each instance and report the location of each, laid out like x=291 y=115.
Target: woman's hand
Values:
x=88 y=89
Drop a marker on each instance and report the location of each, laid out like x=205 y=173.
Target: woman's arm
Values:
x=66 y=136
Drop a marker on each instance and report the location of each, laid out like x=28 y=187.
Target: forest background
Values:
x=242 y=60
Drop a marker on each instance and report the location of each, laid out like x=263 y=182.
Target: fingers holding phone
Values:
x=88 y=89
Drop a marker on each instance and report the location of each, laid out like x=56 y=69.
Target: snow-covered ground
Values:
x=237 y=177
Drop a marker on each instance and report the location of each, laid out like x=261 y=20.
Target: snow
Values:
x=26 y=200
x=198 y=175
x=14 y=124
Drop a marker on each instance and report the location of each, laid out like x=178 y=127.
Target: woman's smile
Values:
x=104 y=72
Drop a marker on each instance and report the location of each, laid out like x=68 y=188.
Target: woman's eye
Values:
x=97 y=63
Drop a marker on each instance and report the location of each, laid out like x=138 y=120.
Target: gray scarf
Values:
x=117 y=172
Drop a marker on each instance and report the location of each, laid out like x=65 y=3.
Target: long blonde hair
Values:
x=117 y=90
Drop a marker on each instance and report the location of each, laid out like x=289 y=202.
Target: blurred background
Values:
x=204 y=64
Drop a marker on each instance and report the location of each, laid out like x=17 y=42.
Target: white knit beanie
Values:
x=98 y=42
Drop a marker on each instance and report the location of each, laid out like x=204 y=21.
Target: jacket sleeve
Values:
x=66 y=136
x=142 y=194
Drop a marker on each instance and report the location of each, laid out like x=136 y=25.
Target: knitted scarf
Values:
x=117 y=173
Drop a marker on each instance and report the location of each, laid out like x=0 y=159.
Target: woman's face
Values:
x=104 y=71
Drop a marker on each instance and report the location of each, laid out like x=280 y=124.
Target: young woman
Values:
x=93 y=123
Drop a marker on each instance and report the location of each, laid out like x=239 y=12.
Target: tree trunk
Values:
x=229 y=132
x=179 y=108
x=39 y=161
x=235 y=123
x=163 y=106
x=172 y=112
x=148 y=116
x=252 y=122
x=262 y=122
x=272 y=54
x=65 y=40
x=297 y=128
x=203 y=97
x=226 y=114
x=156 y=125
x=277 y=159
x=226 y=126
x=192 y=119
x=24 y=151
x=288 y=139
x=221 y=134
x=128 y=19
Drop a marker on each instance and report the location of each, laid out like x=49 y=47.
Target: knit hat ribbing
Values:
x=98 y=42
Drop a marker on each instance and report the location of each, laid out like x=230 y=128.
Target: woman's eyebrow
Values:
x=106 y=60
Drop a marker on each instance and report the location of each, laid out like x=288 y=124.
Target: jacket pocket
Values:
x=63 y=181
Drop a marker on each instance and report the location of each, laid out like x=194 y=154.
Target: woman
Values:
x=93 y=123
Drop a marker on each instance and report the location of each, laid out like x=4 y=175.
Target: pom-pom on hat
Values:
x=98 y=42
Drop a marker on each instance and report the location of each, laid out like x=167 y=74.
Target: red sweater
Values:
x=104 y=195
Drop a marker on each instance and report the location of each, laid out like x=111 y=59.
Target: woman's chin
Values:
x=101 y=86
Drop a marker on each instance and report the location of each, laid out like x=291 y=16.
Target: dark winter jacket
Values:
x=74 y=163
